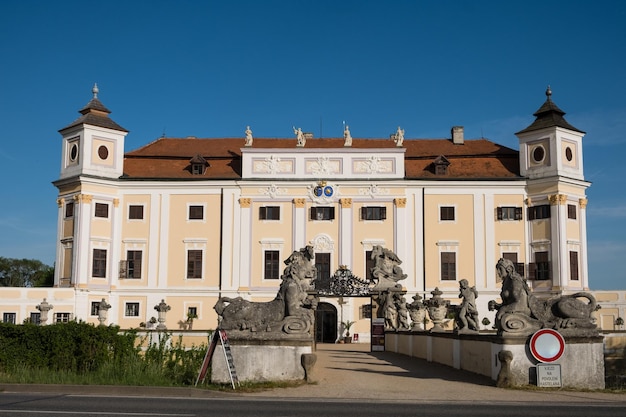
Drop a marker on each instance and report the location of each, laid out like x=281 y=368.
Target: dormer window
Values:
x=198 y=165
x=441 y=165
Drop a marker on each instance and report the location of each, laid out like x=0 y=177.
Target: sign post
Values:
x=547 y=345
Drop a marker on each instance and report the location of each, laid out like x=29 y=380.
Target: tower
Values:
x=92 y=160
x=93 y=144
x=551 y=157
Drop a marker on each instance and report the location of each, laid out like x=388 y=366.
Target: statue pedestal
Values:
x=262 y=360
x=582 y=363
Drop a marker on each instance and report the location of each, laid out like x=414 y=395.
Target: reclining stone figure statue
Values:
x=522 y=313
x=291 y=312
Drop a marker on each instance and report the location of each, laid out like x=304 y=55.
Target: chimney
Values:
x=457 y=135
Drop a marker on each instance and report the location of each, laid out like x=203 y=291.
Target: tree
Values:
x=25 y=273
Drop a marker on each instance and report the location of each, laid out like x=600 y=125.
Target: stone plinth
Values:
x=582 y=362
x=269 y=360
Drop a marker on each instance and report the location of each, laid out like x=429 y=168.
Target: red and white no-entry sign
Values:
x=547 y=345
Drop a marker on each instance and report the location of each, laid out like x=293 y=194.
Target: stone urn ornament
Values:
x=103 y=308
x=162 y=308
x=417 y=312
x=437 y=309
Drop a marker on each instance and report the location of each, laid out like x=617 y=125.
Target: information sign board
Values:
x=549 y=375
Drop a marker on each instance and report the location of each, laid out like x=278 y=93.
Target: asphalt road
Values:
x=55 y=405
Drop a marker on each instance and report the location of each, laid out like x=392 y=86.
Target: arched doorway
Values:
x=326 y=323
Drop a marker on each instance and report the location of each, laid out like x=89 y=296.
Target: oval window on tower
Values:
x=568 y=154
x=103 y=152
x=74 y=152
x=538 y=154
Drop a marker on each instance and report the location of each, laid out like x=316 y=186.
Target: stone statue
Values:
x=162 y=308
x=467 y=316
x=403 y=312
x=300 y=137
x=249 y=138
x=347 y=137
x=386 y=272
x=389 y=310
x=44 y=308
x=398 y=137
x=291 y=312
x=521 y=313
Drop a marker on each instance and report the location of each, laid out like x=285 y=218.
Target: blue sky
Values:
x=209 y=68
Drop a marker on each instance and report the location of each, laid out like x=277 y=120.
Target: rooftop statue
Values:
x=249 y=138
x=347 y=136
x=301 y=140
x=522 y=313
x=398 y=137
x=291 y=312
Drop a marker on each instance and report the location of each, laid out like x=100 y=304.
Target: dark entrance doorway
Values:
x=326 y=323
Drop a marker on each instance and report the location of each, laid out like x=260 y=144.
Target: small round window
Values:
x=538 y=154
x=568 y=154
x=74 y=152
x=103 y=152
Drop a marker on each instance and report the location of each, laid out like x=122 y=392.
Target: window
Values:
x=269 y=213
x=135 y=212
x=540 y=270
x=196 y=212
x=373 y=213
x=99 y=263
x=448 y=266
x=369 y=263
x=69 y=209
x=131 y=310
x=35 y=318
x=571 y=211
x=9 y=318
x=197 y=169
x=446 y=213
x=95 y=307
x=512 y=256
x=272 y=264
x=322 y=263
x=61 y=317
x=102 y=210
x=573 y=265
x=509 y=213
x=322 y=213
x=365 y=311
x=134 y=263
x=194 y=263
x=192 y=312
x=539 y=212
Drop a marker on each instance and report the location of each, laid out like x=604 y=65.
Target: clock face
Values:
x=328 y=191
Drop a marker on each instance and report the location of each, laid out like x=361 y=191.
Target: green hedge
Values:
x=74 y=346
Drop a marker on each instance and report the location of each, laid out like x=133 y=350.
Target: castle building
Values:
x=188 y=220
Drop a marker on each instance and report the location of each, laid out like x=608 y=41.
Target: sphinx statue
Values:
x=290 y=312
x=522 y=313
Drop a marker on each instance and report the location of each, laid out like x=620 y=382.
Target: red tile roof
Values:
x=169 y=158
